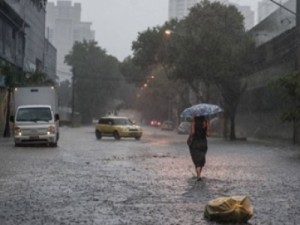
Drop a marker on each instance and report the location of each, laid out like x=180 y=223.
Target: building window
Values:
x=8 y=41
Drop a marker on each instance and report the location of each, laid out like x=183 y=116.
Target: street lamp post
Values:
x=298 y=34
x=73 y=99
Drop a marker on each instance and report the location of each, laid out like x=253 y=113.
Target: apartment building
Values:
x=12 y=37
x=63 y=28
x=266 y=7
x=276 y=23
x=37 y=48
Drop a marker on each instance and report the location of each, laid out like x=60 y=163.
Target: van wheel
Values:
x=98 y=134
x=138 y=138
x=116 y=135
x=54 y=145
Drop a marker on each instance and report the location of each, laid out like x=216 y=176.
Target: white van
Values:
x=36 y=118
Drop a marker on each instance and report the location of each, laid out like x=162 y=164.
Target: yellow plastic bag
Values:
x=229 y=209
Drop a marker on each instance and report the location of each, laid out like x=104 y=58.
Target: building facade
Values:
x=180 y=8
x=274 y=24
x=50 y=60
x=266 y=7
x=34 y=14
x=12 y=44
x=12 y=36
x=63 y=28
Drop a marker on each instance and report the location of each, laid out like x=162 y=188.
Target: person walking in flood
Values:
x=197 y=143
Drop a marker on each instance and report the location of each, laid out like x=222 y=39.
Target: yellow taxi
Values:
x=117 y=127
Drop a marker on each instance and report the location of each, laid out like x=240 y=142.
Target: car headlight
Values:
x=18 y=131
x=51 y=130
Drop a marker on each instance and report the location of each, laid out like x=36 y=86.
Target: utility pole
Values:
x=297 y=63
x=282 y=6
x=73 y=98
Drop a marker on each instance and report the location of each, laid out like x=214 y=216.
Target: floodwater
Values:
x=151 y=181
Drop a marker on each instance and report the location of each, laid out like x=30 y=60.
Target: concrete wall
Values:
x=263 y=125
x=261 y=106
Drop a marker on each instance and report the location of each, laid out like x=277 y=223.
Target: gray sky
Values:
x=117 y=22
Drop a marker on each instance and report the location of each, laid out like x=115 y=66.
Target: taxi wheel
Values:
x=116 y=135
x=98 y=134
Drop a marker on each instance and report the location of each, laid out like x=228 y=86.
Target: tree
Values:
x=160 y=96
x=213 y=48
x=208 y=48
x=152 y=49
x=289 y=87
x=131 y=72
x=152 y=56
x=96 y=79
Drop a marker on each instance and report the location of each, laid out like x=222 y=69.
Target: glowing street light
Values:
x=168 y=32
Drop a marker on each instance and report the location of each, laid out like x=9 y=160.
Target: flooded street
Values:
x=151 y=181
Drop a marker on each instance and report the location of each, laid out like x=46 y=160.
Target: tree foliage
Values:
x=152 y=49
x=209 y=46
x=212 y=45
x=96 y=79
x=220 y=53
x=289 y=88
x=131 y=72
x=159 y=98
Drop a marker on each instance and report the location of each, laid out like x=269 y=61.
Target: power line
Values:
x=282 y=6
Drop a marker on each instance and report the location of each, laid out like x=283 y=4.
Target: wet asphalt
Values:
x=85 y=181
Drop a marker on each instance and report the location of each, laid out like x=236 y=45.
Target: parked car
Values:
x=167 y=125
x=155 y=123
x=184 y=127
x=117 y=127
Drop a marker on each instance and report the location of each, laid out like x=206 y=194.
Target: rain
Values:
x=149 y=112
